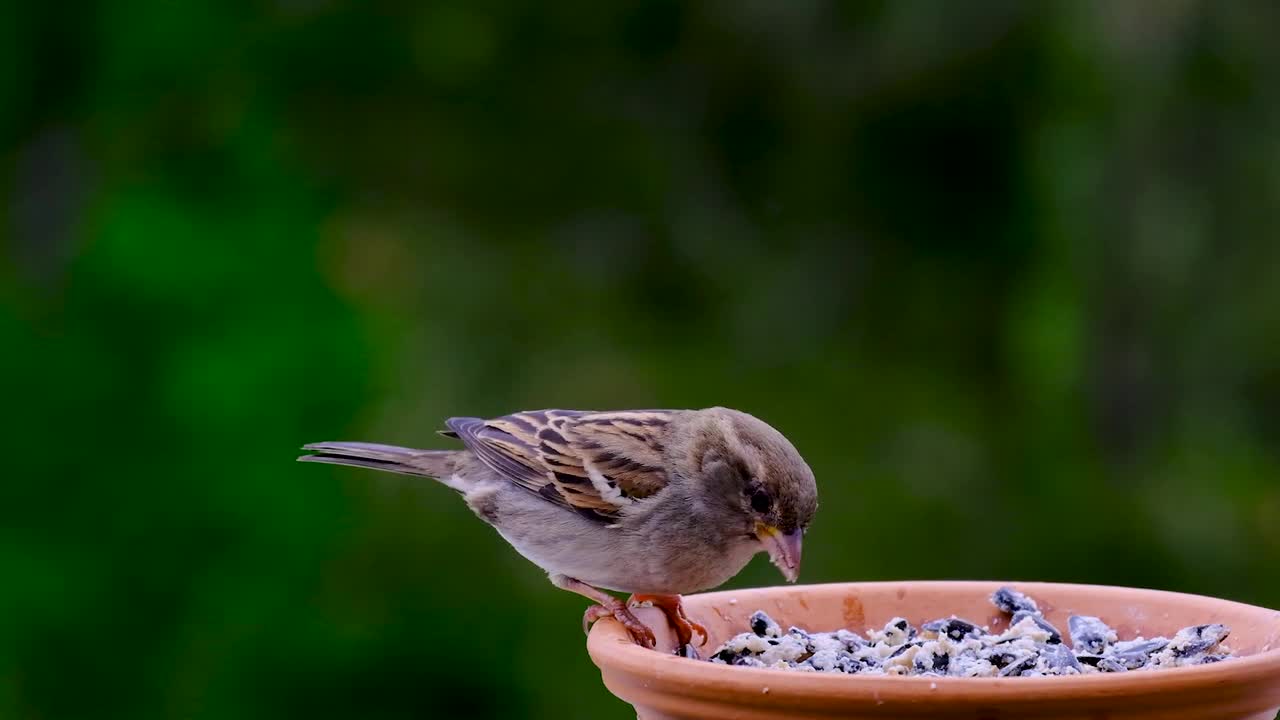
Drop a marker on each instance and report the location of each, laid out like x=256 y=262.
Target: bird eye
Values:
x=760 y=501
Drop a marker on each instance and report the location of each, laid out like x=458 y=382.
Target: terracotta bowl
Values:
x=659 y=685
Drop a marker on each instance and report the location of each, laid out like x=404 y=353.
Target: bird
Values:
x=655 y=503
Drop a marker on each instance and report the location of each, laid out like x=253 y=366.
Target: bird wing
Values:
x=593 y=462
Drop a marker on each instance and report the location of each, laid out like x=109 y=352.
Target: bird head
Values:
x=761 y=483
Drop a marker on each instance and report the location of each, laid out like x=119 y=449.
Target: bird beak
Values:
x=784 y=549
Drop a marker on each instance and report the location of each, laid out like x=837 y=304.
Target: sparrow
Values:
x=655 y=503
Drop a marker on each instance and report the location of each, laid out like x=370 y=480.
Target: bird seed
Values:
x=1030 y=647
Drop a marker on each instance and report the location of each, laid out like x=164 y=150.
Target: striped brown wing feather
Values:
x=595 y=463
x=624 y=447
x=501 y=451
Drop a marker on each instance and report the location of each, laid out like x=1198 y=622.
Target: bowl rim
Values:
x=612 y=650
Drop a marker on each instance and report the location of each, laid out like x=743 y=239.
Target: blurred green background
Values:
x=1007 y=267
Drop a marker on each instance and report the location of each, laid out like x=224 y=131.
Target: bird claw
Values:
x=672 y=606
x=640 y=633
x=698 y=628
x=592 y=614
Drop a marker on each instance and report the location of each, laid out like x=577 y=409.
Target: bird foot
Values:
x=640 y=633
x=672 y=606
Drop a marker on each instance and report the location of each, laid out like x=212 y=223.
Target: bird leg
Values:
x=672 y=606
x=609 y=606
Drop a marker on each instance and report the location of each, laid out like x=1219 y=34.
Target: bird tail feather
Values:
x=439 y=464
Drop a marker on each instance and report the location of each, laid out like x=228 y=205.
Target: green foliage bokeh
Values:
x=1004 y=272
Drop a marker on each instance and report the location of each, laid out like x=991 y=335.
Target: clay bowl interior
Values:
x=661 y=685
